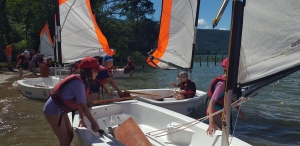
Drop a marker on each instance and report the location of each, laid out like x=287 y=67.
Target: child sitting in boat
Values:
x=187 y=87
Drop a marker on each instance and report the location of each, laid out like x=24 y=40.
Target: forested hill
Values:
x=211 y=41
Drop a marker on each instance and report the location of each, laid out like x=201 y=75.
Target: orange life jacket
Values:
x=45 y=69
x=66 y=105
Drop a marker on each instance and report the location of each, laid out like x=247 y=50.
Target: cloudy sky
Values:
x=208 y=11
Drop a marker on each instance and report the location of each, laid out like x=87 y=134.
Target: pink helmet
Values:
x=225 y=64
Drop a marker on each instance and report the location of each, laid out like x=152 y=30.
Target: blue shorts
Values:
x=51 y=108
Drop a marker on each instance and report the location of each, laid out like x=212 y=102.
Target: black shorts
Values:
x=132 y=68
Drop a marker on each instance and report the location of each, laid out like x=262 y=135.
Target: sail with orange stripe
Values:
x=80 y=34
x=176 y=35
x=46 y=43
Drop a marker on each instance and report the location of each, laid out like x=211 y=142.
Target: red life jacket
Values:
x=189 y=93
x=103 y=81
x=211 y=90
x=66 y=105
x=23 y=60
x=132 y=65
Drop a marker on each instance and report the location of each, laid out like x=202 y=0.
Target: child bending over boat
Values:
x=216 y=94
x=22 y=62
x=101 y=78
x=69 y=95
x=187 y=88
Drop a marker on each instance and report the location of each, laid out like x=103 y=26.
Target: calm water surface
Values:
x=273 y=115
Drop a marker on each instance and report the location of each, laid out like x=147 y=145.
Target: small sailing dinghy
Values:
x=80 y=37
x=149 y=118
x=175 y=49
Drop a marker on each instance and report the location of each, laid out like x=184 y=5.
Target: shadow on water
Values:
x=272 y=116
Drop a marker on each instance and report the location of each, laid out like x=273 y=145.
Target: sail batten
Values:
x=80 y=33
x=270 y=40
x=176 y=36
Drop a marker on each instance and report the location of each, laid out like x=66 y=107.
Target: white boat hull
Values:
x=37 y=88
x=119 y=73
x=149 y=118
x=185 y=106
x=52 y=71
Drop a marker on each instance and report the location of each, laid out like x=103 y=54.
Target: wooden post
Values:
x=121 y=62
x=215 y=59
x=200 y=60
x=207 y=59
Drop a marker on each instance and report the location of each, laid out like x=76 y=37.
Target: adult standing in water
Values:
x=130 y=66
x=68 y=95
x=216 y=93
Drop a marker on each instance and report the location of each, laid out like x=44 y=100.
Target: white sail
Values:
x=270 y=38
x=176 y=35
x=80 y=34
x=46 y=43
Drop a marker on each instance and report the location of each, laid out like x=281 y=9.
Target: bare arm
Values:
x=86 y=111
x=18 y=63
x=114 y=85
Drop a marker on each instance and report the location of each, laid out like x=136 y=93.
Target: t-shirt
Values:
x=219 y=89
x=8 y=50
x=74 y=88
x=102 y=76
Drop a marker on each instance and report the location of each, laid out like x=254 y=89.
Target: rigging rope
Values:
x=163 y=132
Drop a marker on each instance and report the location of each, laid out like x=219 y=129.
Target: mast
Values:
x=58 y=32
x=233 y=64
x=195 y=36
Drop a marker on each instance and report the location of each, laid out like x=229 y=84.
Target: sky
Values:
x=208 y=11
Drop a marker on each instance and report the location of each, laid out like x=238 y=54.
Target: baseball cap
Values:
x=225 y=63
x=107 y=58
x=90 y=62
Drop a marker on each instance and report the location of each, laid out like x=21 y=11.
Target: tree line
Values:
x=134 y=33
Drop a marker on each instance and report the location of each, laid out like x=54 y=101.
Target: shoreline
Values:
x=5 y=75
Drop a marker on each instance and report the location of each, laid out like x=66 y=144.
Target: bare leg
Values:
x=217 y=120
x=62 y=132
x=21 y=73
x=131 y=73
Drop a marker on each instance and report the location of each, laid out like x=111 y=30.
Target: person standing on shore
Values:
x=8 y=54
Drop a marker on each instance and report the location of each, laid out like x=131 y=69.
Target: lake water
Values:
x=273 y=116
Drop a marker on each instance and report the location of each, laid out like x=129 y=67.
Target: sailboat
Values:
x=78 y=36
x=264 y=46
x=47 y=48
x=175 y=49
x=171 y=128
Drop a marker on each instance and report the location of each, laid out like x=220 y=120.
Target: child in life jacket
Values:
x=129 y=68
x=187 y=87
x=69 y=95
x=45 y=67
x=216 y=103
x=22 y=60
x=101 y=79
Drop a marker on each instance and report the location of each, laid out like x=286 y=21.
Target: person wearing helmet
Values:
x=69 y=95
x=216 y=93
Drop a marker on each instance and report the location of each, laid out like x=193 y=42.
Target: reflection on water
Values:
x=272 y=116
